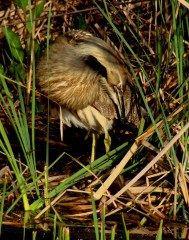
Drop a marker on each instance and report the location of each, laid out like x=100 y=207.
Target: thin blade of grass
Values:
x=54 y=228
x=113 y=231
x=2 y=204
x=125 y=231
x=160 y=231
x=103 y=233
x=95 y=218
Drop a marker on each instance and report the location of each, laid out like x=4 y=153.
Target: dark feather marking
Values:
x=93 y=63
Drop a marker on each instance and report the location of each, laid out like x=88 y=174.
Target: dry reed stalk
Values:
x=142 y=172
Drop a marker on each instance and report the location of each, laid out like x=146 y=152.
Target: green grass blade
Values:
x=95 y=218
x=103 y=233
x=54 y=228
x=2 y=204
x=113 y=232
x=67 y=234
x=160 y=231
x=125 y=231
x=34 y=235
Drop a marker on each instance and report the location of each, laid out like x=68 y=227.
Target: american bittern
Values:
x=86 y=79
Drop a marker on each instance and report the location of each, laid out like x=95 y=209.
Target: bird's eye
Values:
x=119 y=86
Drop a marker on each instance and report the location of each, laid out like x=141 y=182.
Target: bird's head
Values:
x=106 y=62
x=116 y=84
x=103 y=59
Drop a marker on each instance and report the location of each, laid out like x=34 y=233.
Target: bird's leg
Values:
x=107 y=140
x=93 y=151
x=107 y=143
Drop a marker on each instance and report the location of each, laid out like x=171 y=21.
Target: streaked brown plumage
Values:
x=88 y=81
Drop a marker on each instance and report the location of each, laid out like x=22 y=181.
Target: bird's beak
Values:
x=121 y=106
x=121 y=113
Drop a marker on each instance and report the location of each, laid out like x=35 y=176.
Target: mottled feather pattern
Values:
x=85 y=77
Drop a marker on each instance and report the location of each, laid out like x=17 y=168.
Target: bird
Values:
x=88 y=84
